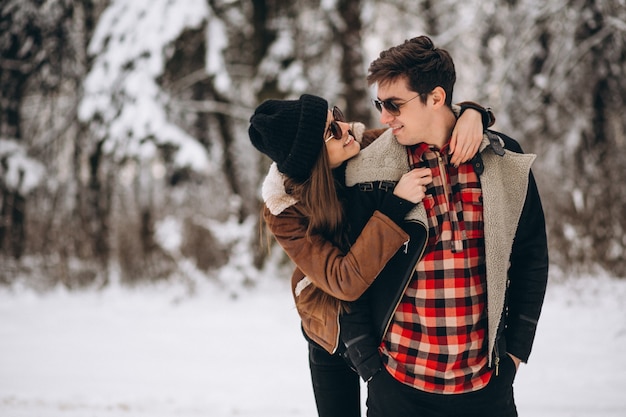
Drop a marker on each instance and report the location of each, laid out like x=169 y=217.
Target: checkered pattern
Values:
x=437 y=338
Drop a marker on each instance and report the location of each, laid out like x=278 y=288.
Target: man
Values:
x=457 y=310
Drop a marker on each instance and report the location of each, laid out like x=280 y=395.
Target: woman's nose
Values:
x=345 y=127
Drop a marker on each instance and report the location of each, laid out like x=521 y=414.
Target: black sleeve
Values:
x=488 y=117
x=363 y=199
x=395 y=207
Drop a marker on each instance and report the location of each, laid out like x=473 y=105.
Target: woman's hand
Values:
x=466 y=137
x=412 y=185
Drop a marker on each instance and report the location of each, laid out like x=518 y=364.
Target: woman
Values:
x=303 y=195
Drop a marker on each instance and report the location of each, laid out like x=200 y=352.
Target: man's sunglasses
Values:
x=389 y=105
x=334 y=128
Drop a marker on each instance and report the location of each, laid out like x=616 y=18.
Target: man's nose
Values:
x=385 y=117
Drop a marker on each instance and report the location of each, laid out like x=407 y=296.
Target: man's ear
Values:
x=438 y=97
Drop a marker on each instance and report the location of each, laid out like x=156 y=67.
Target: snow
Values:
x=217 y=41
x=19 y=172
x=156 y=351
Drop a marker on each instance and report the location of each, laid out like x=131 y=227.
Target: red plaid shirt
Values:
x=437 y=338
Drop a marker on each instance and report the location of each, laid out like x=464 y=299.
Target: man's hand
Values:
x=516 y=360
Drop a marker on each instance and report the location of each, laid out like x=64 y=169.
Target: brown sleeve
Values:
x=344 y=276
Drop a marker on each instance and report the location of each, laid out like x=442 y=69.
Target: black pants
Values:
x=335 y=385
x=388 y=397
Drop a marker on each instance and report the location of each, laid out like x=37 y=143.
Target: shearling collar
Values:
x=385 y=160
x=273 y=192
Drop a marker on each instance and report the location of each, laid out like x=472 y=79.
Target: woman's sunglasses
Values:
x=334 y=128
x=389 y=105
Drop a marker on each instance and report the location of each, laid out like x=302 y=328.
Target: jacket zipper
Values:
x=497 y=358
x=408 y=281
x=338 y=335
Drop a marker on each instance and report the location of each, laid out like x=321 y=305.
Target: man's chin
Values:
x=407 y=140
x=402 y=140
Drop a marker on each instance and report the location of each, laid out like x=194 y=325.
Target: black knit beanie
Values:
x=290 y=133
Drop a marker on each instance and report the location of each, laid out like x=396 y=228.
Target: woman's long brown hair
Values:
x=319 y=202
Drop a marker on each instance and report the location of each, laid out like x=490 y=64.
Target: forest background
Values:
x=124 y=153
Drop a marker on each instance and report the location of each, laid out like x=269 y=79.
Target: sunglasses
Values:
x=389 y=105
x=334 y=128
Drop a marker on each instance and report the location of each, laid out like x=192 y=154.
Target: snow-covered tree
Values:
x=42 y=63
x=558 y=78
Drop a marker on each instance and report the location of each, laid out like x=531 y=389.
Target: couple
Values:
x=424 y=273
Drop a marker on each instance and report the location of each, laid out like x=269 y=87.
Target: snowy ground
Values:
x=151 y=352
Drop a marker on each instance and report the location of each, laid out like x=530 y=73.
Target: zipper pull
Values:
x=406 y=246
x=497 y=365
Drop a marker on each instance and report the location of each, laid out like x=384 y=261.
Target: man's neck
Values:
x=444 y=127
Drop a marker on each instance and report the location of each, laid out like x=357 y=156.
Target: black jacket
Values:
x=515 y=238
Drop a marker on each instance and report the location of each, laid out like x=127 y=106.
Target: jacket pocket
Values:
x=319 y=313
x=313 y=303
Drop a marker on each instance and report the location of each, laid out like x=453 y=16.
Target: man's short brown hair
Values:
x=420 y=63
